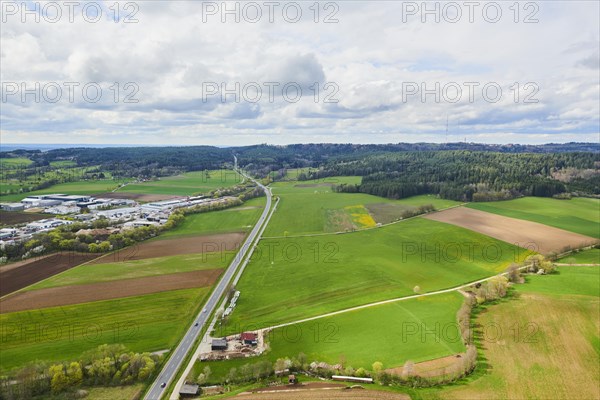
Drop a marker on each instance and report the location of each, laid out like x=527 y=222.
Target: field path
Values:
x=394 y=300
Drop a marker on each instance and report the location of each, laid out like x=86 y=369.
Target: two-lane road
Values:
x=185 y=346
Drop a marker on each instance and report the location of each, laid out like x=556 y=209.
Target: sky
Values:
x=238 y=73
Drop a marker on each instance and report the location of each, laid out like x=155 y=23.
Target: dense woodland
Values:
x=470 y=176
x=459 y=171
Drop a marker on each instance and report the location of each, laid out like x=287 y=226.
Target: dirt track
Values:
x=541 y=238
x=22 y=274
x=173 y=247
x=75 y=294
x=325 y=394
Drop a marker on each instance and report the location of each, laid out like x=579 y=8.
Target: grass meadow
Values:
x=312 y=207
x=237 y=219
x=15 y=162
x=77 y=187
x=543 y=343
x=417 y=330
x=143 y=323
x=591 y=256
x=580 y=215
x=357 y=268
x=187 y=184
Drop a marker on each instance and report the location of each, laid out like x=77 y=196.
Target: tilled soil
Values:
x=32 y=271
x=173 y=247
x=75 y=294
x=532 y=235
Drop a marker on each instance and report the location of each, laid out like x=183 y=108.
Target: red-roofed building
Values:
x=249 y=338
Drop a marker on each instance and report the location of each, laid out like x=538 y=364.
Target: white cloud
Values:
x=369 y=54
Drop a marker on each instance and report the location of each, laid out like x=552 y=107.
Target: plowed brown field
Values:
x=538 y=237
x=25 y=273
x=173 y=247
x=75 y=294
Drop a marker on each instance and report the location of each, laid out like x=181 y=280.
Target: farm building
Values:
x=12 y=206
x=219 y=344
x=189 y=390
x=249 y=338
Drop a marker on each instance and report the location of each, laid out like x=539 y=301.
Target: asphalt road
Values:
x=186 y=345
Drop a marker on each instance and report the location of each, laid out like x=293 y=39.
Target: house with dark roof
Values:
x=219 y=344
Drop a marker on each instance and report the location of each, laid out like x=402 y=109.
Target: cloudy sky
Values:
x=234 y=73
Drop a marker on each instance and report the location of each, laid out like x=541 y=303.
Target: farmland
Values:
x=187 y=184
x=78 y=187
x=25 y=273
x=94 y=273
x=69 y=295
x=416 y=329
x=312 y=207
x=362 y=267
x=591 y=256
x=236 y=219
x=15 y=217
x=143 y=323
x=15 y=162
x=578 y=215
x=555 y=346
x=540 y=238
x=223 y=242
x=114 y=393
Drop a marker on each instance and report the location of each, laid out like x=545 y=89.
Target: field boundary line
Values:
x=576 y=265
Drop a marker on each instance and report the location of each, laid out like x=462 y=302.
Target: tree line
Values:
x=106 y=365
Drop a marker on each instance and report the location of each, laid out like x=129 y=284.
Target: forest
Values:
x=458 y=171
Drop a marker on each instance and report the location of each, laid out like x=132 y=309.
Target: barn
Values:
x=219 y=344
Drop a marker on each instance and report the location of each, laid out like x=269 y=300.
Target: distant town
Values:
x=119 y=213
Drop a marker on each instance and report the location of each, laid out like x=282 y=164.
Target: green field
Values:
x=548 y=332
x=93 y=273
x=311 y=207
x=293 y=278
x=187 y=184
x=591 y=256
x=583 y=281
x=144 y=323
x=580 y=215
x=15 y=162
x=78 y=187
x=237 y=219
x=114 y=393
x=392 y=334
x=417 y=330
